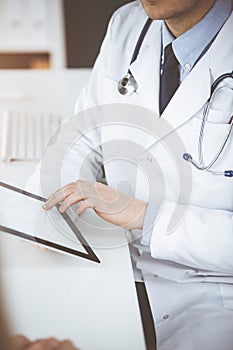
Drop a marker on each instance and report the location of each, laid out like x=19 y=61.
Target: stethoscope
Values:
x=128 y=85
x=200 y=165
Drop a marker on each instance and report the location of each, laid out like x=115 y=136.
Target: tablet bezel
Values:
x=89 y=255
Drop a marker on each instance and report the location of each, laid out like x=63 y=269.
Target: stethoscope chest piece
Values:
x=127 y=85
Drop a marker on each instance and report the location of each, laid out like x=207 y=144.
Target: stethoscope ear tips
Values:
x=228 y=173
x=187 y=157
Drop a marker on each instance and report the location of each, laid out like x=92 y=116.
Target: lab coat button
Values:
x=165 y=317
x=149 y=159
x=187 y=66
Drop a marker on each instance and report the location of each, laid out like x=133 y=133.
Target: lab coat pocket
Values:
x=226 y=291
x=213 y=139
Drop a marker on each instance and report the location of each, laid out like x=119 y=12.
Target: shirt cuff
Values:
x=150 y=216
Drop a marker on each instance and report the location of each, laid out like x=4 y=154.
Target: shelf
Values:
x=16 y=60
x=22 y=49
x=34 y=30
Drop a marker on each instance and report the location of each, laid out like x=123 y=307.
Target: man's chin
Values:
x=152 y=9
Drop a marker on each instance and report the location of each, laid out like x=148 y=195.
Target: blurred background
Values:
x=47 y=49
x=49 y=34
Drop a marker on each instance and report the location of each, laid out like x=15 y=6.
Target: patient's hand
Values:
x=22 y=343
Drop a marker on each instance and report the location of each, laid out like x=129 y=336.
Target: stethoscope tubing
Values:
x=128 y=85
x=201 y=139
x=218 y=81
x=140 y=40
x=202 y=165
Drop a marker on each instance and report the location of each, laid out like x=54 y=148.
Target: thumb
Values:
x=83 y=206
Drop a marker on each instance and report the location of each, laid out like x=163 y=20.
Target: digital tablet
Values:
x=21 y=215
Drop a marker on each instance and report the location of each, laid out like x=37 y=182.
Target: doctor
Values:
x=188 y=271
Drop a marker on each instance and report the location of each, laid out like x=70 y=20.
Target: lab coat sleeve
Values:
x=202 y=239
x=150 y=216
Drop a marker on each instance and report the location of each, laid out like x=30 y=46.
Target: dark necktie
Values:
x=170 y=77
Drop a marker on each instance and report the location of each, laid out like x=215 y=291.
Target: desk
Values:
x=47 y=293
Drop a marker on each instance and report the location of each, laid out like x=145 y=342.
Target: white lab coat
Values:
x=200 y=248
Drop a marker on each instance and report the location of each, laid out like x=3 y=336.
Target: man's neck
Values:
x=182 y=24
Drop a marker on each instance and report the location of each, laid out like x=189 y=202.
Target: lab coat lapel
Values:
x=191 y=95
x=146 y=69
x=195 y=89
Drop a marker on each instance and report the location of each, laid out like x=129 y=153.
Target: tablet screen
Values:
x=21 y=215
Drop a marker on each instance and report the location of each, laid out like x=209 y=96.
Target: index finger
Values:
x=58 y=197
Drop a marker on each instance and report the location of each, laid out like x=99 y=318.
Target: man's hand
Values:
x=22 y=343
x=112 y=206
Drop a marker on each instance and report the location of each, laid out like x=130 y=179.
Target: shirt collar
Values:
x=190 y=46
